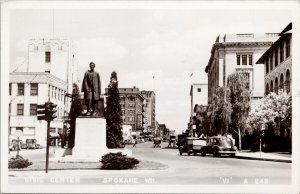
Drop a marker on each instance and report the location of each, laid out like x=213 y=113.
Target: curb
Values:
x=264 y=159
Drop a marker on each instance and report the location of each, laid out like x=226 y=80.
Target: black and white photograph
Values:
x=150 y=96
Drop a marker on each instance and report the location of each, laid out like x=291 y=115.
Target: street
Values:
x=181 y=170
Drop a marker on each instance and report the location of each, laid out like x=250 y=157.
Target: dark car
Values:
x=219 y=145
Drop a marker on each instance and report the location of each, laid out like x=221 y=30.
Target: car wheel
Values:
x=189 y=153
x=203 y=153
x=232 y=155
x=216 y=153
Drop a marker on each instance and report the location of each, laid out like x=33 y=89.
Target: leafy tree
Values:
x=113 y=115
x=75 y=111
x=221 y=111
x=274 y=113
x=239 y=98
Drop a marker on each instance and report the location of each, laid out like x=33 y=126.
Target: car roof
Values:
x=218 y=137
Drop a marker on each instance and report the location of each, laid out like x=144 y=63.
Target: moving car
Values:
x=219 y=145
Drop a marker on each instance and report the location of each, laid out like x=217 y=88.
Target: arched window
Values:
x=276 y=85
x=267 y=89
x=287 y=81
x=271 y=87
x=281 y=83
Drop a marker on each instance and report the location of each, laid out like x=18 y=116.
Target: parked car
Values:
x=14 y=145
x=219 y=145
x=37 y=146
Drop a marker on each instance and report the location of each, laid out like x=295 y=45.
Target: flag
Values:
x=191 y=74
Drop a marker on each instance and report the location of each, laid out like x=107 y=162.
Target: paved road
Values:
x=181 y=170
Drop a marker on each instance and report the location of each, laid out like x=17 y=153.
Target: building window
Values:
x=287 y=81
x=287 y=48
x=250 y=59
x=33 y=110
x=20 y=109
x=21 y=89
x=271 y=62
x=276 y=58
x=33 y=89
x=9 y=108
x=244 y=59
x=47 y=57
x=276 y=86
x=199 y=89
x=131 y=119
x=9 y=89
x=131 y=112
x=267 y=66
x=281 y=53
x=238 y=58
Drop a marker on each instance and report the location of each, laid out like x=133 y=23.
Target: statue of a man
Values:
x=91 y=86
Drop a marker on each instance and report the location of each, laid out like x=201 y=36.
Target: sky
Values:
x=169 y=44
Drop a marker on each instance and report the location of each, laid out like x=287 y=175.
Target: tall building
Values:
x=199 y=95
x=238 y=52
x=55 y=56
x=49 y=74
x=278 y=63
x=149 y=107
x=132 y=107
x=26 y=91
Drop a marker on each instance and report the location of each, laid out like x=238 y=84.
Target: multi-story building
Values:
x=26 y=91
x=132 y=107
x=278 y=63
x=238 y=52
x=49 y=74
x=149 y=107
x=55 y=56
x=199 y=95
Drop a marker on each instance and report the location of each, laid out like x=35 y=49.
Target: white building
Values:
x=149 y=108
x=199 y=95
x=55 y=56
x=26 y=91
x=49 y=74
x=238 y=52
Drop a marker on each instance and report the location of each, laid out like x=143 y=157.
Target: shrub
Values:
x=18 y=162
x=117 y=161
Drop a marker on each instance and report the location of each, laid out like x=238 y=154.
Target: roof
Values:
x=286 y=33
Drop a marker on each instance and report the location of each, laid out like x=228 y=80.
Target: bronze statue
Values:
x=91 y=86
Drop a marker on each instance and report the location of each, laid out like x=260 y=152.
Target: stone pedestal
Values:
x=90 y=141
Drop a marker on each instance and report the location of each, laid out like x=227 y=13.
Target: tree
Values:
x=221 y=111
x=239 y=98
x=75 y=111
x=274 y=113
x=113 y=115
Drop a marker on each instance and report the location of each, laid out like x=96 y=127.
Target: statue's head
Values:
x=92 y=66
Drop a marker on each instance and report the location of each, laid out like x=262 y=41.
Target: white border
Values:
x=208 y=5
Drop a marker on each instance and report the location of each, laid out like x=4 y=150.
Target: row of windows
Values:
x=33 y=110
x=272 y=60
x=57 y=93
x=246 y=59
x=34 y=90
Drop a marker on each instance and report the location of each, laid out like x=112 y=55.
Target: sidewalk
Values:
x=274 y=156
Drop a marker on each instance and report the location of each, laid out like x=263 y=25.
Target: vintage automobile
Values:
x=192 y=145
x=219 y=145
x=30 y=143
x=14 y=145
